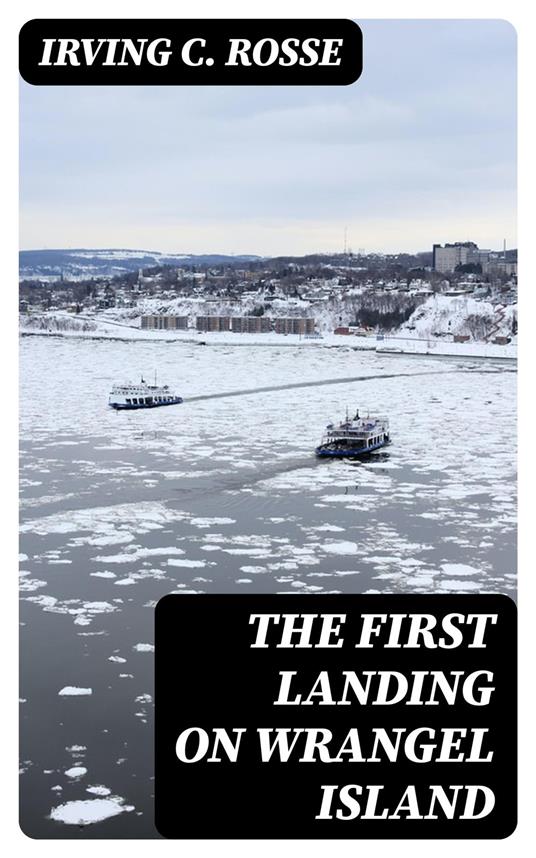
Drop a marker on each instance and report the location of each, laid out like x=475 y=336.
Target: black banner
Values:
x=282 y=52
x=337 y=716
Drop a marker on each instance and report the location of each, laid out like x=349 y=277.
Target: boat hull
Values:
x=326 y=452
x=120 y=406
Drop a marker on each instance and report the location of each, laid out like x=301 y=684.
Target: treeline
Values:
x=385 y=311
x=367 y=318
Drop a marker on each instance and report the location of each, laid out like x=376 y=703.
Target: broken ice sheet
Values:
x=88 y=811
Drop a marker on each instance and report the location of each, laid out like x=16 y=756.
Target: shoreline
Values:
x=388 y=347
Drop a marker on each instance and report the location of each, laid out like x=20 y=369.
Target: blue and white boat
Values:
x=128 y=396
x=355 y=436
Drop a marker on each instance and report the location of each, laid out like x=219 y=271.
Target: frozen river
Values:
x=224 y=494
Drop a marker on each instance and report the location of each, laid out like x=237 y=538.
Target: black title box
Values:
x=175 y=52
x=208 y=676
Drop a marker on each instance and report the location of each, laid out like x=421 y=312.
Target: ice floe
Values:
x=98 y=790
x=76 y=772
x=340 y=547
x=74 y=691
x=458 y=569
x=88 y=811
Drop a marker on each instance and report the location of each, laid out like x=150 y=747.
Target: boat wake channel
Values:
x=346 y=380
x=261 y=472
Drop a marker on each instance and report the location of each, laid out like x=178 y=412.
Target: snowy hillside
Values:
x=57 y=323
x=460 y=315
x=440 y=316
x=329 y=312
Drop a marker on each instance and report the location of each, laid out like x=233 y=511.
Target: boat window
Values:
x=128 y=402
x=134 y=401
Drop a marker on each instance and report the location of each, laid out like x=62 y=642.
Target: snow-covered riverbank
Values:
x=67 y=325
x=399 y=345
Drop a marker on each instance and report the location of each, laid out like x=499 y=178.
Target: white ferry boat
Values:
x=354 y=437
x=124 y=397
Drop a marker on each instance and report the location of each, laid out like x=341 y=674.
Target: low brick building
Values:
x=213 y=323
x=294 y=325
x=164 y=323
x=251 y=324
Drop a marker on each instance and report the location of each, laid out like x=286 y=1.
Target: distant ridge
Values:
x=110 y=261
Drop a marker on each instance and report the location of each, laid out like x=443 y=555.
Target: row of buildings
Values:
x=449 y=257
x=237 y=324
x=164 y=323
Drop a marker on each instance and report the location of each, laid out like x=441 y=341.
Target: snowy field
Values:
x=224 y=494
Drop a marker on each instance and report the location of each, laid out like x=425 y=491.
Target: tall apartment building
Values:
x=447 y=258
x=500 y=266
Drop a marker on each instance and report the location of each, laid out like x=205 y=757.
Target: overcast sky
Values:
x=420 y=149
